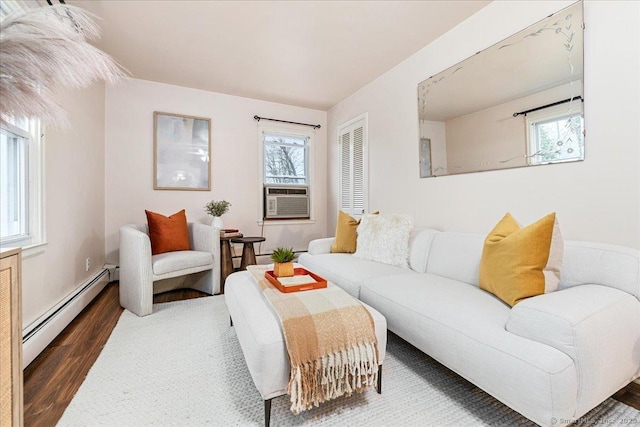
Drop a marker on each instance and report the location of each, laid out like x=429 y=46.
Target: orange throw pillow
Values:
x=168 y=233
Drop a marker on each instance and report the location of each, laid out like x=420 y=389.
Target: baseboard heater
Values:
x=37 y=336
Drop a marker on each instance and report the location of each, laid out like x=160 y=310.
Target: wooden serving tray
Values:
x=318 y=284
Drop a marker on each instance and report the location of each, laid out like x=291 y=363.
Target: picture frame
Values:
x=181 y=152
x=425 y=158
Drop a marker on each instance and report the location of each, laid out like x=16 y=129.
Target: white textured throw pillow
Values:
x=385 y=239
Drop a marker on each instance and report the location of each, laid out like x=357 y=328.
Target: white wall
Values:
x=596 y=200
x=234 y=157
x=74 y=206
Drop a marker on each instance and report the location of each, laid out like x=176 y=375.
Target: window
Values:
x=556 y=135
x=285 y=159
x=352 y=138
x=13 y=184
x=21 y=221
x=286 y=154
x=21 y=172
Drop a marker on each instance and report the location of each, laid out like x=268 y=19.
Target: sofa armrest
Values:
x=597 y=326
x=136 y=276
x=205 y=238
x=320 y=246
x=135 y=252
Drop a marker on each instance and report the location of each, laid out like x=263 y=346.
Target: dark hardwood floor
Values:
x=52 y=379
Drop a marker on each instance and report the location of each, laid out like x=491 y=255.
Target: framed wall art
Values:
x=181 y=152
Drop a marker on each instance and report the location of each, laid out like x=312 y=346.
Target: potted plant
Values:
x=283 y=262
x=216 y=209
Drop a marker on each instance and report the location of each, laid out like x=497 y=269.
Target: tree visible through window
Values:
x=556 y=134
x=559 y=139
x=285 y=159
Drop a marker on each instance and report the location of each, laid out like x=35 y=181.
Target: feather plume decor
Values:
x=45 y=47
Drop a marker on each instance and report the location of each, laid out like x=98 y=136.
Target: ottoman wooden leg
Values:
x=230 y=321
x=379 y=385
x=267 y=412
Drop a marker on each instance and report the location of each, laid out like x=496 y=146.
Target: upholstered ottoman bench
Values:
x=262 y=341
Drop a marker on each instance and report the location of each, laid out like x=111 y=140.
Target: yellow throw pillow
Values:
x=346 y=236
x=518 y=263
x=345 y=240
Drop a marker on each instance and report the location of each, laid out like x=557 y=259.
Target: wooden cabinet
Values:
x=11 y=394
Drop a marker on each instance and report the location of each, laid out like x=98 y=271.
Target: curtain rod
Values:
x=548 y=105
x=258 y=118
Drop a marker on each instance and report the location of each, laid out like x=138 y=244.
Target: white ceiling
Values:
x=307 y=53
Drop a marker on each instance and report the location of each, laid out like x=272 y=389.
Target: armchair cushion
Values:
x=180 y=260
x=168 y=233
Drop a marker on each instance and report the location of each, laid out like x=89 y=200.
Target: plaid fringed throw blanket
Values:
x=330 y=339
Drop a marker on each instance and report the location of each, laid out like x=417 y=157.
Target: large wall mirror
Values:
x=517 y=103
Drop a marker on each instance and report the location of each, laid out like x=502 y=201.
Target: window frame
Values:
x=34 y=239
x=304 y=146
x=548 y=115
x=19 y=170
x=291 y=131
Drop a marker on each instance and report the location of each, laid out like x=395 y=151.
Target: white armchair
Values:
x=139 y=269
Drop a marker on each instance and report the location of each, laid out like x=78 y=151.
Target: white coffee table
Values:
x=262 y=341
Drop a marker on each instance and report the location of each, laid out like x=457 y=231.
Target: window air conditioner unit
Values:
x=286 y=202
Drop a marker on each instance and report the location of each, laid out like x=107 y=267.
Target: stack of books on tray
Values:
x=302 y=279
x=230 y=232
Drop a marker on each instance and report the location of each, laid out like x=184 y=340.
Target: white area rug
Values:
x=183 y=366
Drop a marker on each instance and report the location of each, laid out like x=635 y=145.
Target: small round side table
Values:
x=226 y=261
x=248 y=253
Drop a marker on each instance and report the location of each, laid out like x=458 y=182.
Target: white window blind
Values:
x=353 y=172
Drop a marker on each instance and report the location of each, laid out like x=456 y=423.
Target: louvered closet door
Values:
x=353 y=168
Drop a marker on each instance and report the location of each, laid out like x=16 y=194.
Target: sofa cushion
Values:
x=168 y=233
x=385 y=239
x=180 y=260
x=463 y=327
x=419 y=248
x=519 y=263
x=348 y=271
x=602 y=264
x=456 y=256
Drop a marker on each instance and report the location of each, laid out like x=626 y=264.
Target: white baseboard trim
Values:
x=38 y=335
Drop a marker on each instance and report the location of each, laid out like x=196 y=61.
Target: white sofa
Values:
x=554 y=356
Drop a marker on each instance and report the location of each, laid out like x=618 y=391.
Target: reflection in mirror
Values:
x=517 y=103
